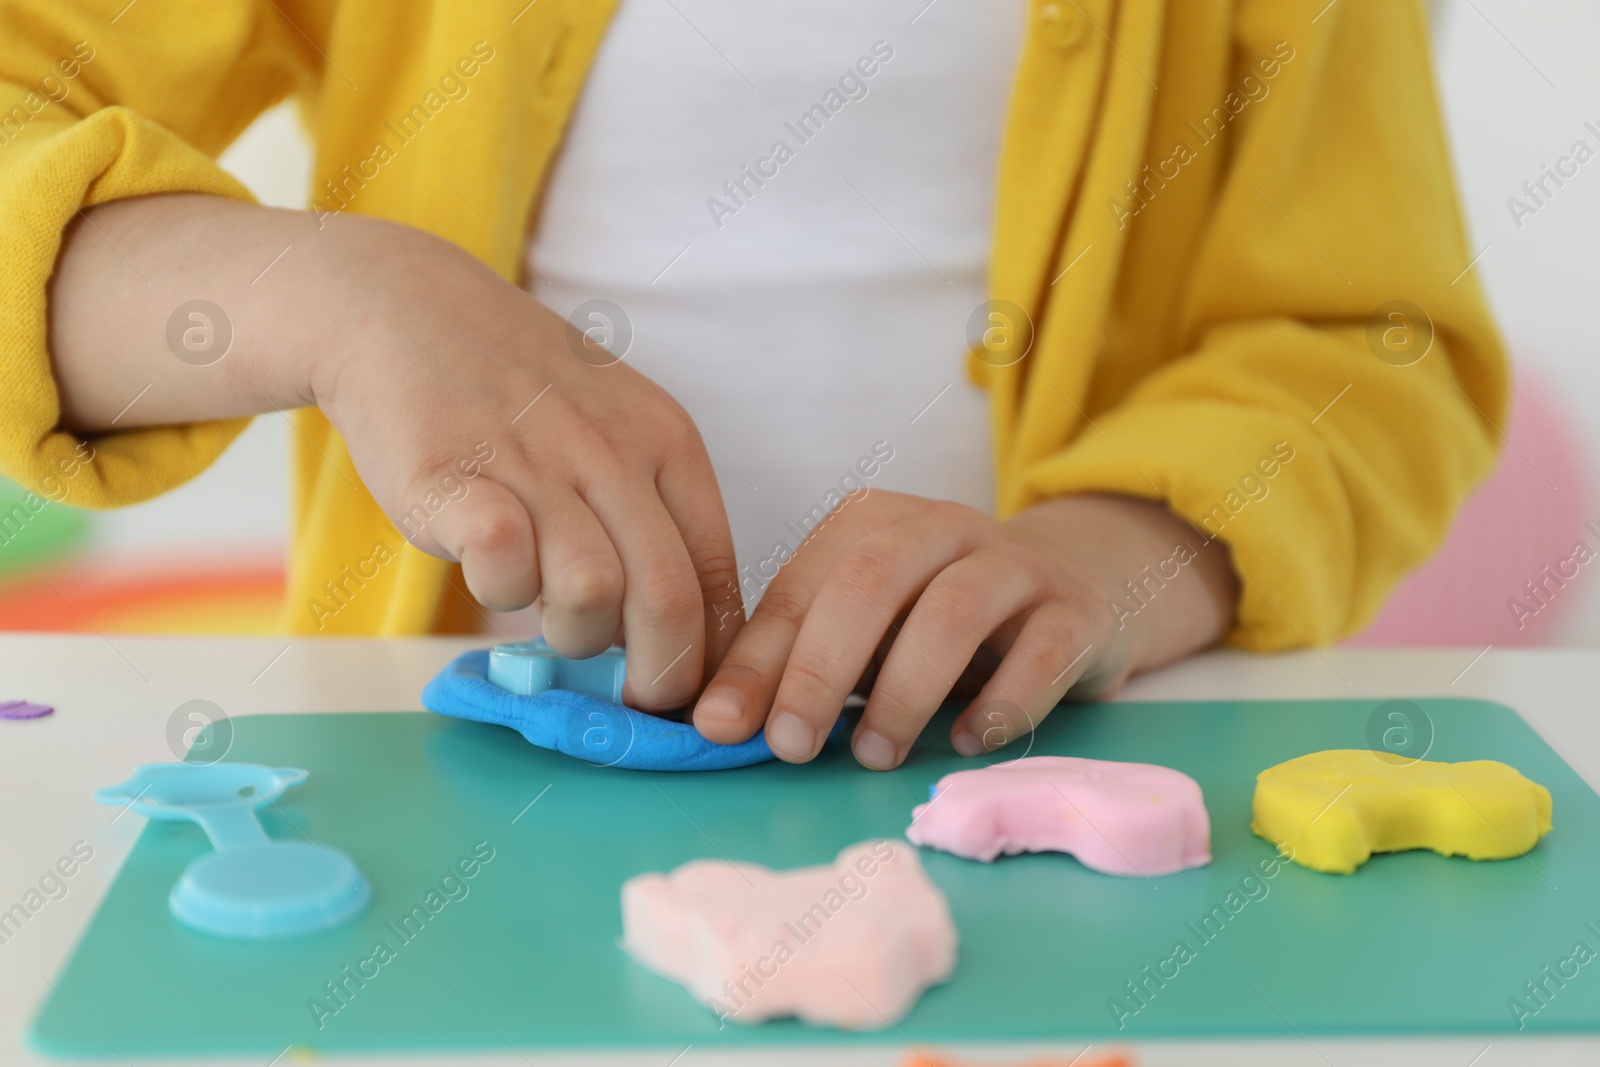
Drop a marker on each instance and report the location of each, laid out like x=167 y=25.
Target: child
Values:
x=1204 y=256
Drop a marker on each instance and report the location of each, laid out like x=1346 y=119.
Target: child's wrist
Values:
x=1166 y=590
x=374 y=281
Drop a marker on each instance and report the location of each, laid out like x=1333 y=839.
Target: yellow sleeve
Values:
x=1336 y=202
x=102 y=100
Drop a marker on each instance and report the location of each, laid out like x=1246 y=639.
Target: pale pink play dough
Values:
x=851 y=945
x=1120 y=818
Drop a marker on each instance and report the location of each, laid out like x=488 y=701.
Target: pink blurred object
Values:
x=1132 y=819
x=1514 y=543
x=23 y=709
x=850 y=944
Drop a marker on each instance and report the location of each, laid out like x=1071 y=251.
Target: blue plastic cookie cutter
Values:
x=251 y=887
x=532 y=667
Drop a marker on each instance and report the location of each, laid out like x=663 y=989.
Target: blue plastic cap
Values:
x=276 y=889
x=532 y=667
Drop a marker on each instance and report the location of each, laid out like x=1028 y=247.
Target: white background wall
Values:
x=1518 y=81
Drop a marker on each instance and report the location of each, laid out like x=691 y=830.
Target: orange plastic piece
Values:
x=1113 y=1059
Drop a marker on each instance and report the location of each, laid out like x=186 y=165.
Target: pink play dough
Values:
x=851 y=945
x=1120 y=818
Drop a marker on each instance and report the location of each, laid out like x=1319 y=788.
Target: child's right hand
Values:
x=600 y=499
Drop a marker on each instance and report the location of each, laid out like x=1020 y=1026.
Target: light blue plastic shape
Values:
x=531 y=667
x=251 y=887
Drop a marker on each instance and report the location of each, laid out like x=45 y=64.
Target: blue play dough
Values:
x=595 y=731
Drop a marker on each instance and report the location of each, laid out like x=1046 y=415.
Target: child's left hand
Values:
x=914 y=598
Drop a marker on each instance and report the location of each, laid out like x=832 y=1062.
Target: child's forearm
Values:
x=281 y=290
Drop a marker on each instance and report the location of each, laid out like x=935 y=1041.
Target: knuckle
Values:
x=681 y=437
x=893 y=715
x=1042 y=659
x=497 y=532
x=871 y=570
x=584 y=588
x=670 y=598
x=953 y=602
x=669 y=427
x=779 y=604
x=1043 y=579
x=569 y=449
x=596 y=463
x=1056 y=644
x=808 y=675
x=715 y=566
x=740 y=675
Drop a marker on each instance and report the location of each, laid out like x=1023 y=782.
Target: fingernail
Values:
x=876 y=751
x=790 y=737
x=965 y=744
x=721 y=706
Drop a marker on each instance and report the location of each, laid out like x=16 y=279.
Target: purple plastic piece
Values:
x=22 y=709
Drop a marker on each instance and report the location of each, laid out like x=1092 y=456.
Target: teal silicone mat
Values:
x=525 y=951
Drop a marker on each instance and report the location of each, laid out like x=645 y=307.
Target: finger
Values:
x=583 y=581
x=961 y=607
x=490 y=532
x=855 y=607
x=688 y=488
x=736 y=699
x=740 y=693
x=663 y=616
x=1050 y=653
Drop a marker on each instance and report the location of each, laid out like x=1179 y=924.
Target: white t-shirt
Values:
x=792 y=205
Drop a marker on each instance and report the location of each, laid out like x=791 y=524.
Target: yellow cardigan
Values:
x=1207 y=208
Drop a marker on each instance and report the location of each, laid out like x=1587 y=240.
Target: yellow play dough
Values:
x=1331 y=811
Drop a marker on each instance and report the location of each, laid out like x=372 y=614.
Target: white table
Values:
x=114 y=697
